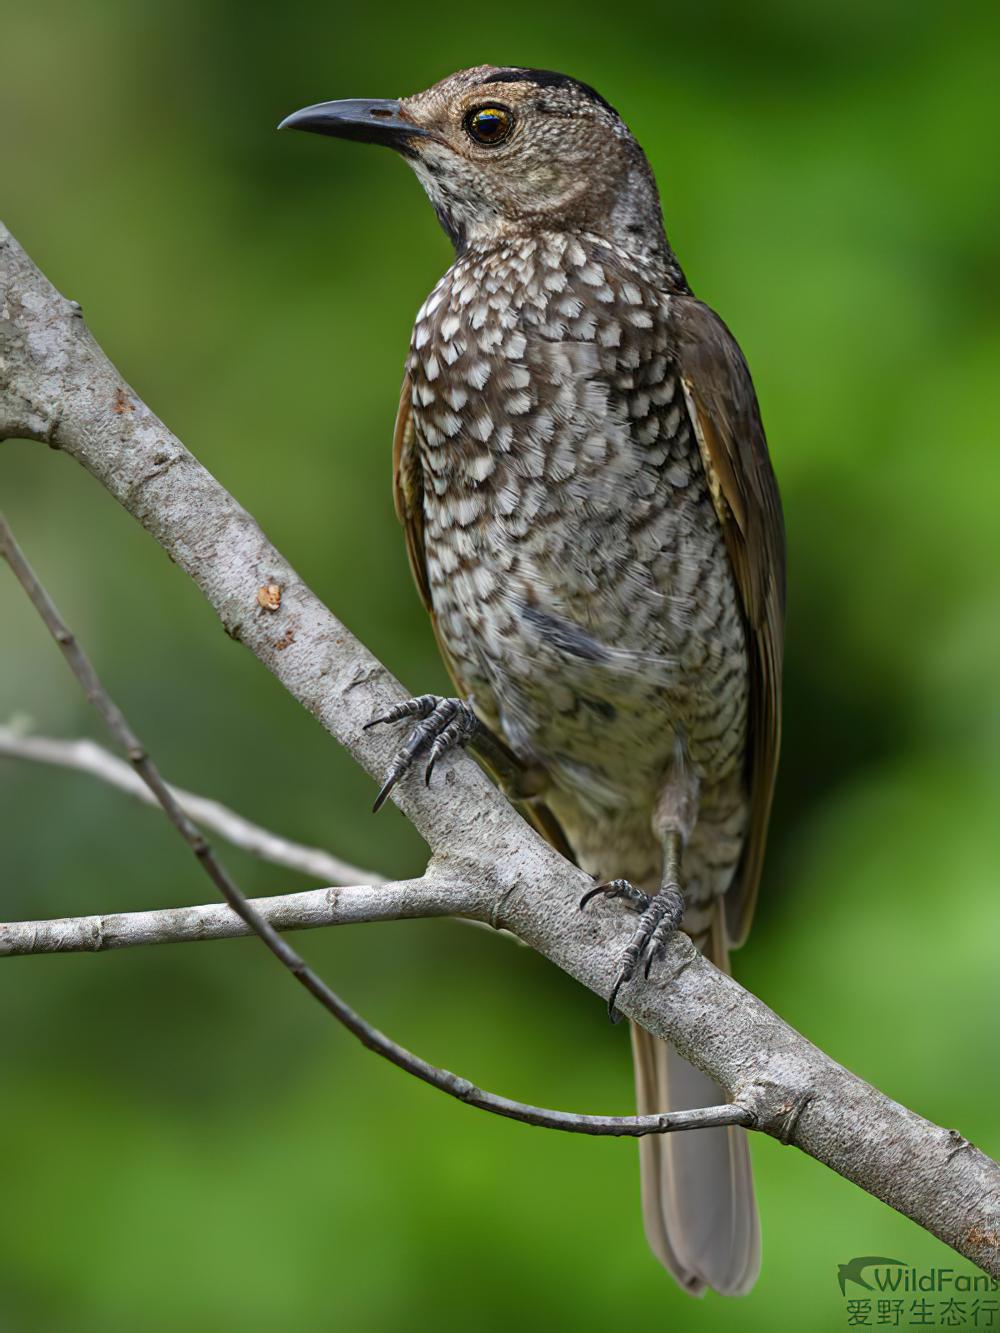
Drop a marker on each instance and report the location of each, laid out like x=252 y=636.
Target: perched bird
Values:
x=595 y=529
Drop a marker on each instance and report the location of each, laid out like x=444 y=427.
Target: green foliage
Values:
x=189 y=1142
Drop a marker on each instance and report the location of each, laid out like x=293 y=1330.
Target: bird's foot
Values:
x=660 y=916
x=442 y=725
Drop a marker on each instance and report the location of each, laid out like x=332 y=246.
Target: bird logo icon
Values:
x=852 y=1270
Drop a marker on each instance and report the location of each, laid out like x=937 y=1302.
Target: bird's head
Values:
x=507 y=151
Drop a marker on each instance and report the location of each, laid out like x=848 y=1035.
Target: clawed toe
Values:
x=672 y=913
x=421 y=706
x=623 y=976
x=618 y=888
x=661 y=916
x=442 y=725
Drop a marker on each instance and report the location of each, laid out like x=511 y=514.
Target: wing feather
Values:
x=408 y=490
x=726 y=420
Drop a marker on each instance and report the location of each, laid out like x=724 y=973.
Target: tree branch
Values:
x=399 y=900
x=83 y=669
x=56 y=386
x=87 y=756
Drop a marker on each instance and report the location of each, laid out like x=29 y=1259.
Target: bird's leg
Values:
x=449 y=724
x=660 y=916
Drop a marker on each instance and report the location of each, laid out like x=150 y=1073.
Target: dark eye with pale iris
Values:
x=489 y=125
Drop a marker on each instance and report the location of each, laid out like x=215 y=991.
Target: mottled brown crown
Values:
x=567 y=164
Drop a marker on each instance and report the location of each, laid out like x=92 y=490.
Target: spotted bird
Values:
x=595 y=529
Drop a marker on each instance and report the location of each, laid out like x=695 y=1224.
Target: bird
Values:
x=595 y=529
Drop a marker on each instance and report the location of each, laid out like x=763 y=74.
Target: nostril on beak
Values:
x=369 y=121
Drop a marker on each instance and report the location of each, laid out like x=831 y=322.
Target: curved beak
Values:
x=379 y=122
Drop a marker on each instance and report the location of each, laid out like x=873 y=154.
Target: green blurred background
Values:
x=188 y=1142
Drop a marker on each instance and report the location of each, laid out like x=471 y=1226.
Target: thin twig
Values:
x=452 y=1084
x=86 y=756
x=335 y=906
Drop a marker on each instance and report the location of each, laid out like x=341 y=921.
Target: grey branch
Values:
x=343 y=905
x=57 y=387
x=257 y=923
x=86 y=756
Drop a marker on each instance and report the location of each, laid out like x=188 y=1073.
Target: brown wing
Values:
x=723 y=408
x=408 y=494
x=408 y=491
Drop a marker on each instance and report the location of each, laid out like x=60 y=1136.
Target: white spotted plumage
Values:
x=576 y=565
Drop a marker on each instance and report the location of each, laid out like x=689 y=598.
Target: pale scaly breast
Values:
x=576 y=565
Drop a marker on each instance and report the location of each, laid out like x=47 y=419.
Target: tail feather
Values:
x=697 y=1187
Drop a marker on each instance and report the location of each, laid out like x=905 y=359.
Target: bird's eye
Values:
x=489 y=125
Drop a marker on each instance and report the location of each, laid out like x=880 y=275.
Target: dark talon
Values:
x=671 y=912
x=617 y=888
x=660 y=917
x=442 y=725
x=422 y=706
x=453 y=735
x=613 y=1013
x=591 y=894
x=383 y=795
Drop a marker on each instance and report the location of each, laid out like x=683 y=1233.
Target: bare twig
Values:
x=291 y=911
x=86 y=756
x=83 y=669
x=340 y=906
x=57 y=386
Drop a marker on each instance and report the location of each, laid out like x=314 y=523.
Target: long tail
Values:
x=697 y=1188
